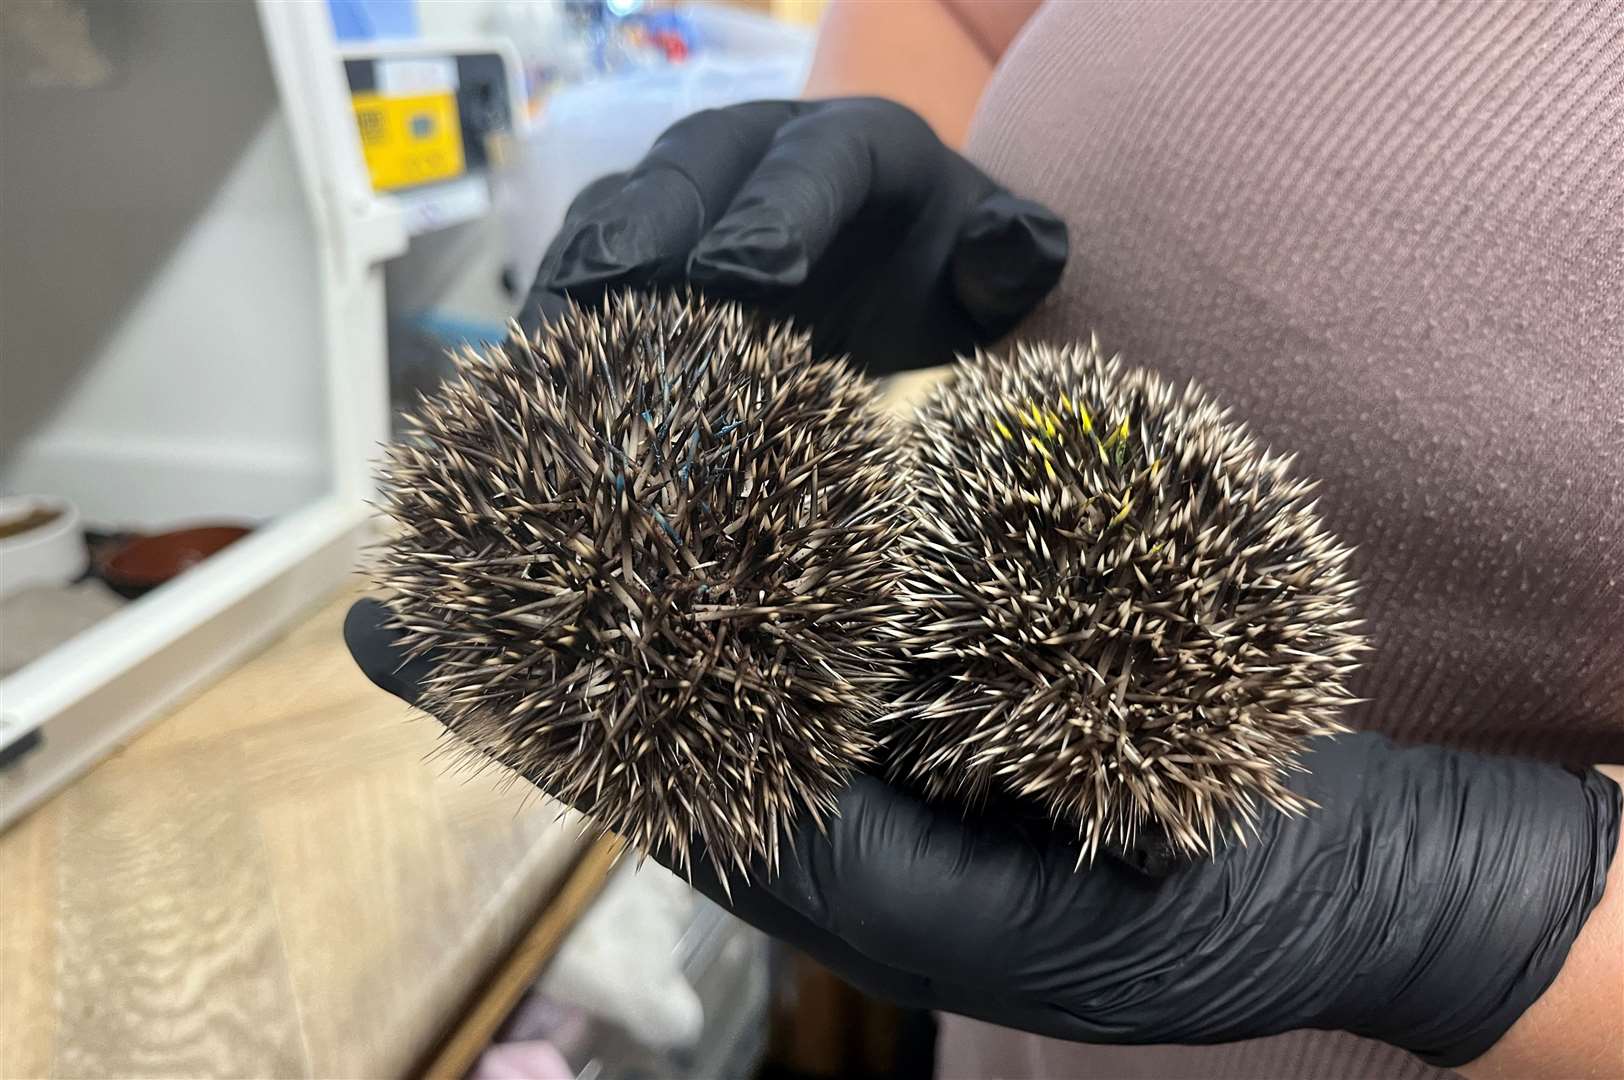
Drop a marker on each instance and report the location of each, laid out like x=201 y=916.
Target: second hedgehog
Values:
x=1128 y=611
x=651 y=551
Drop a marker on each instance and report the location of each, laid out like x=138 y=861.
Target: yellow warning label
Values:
x=409 y=140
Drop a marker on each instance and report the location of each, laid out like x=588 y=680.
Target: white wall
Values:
x=160 y=357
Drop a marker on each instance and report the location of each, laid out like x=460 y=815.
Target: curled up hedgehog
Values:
x=1124 y=609
x=652 y=552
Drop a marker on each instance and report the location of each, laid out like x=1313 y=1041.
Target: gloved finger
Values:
x=895 y=877
x=542 y=306
x=643 y=231
x=820 y=172
x=374 y=644
x=1009 y=254
x=543 y=303
x=590 y=200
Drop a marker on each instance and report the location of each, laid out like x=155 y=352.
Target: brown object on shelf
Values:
x=142 y=563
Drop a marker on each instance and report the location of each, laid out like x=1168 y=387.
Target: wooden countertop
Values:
x=275 y=880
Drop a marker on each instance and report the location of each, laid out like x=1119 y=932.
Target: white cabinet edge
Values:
x=93 y=693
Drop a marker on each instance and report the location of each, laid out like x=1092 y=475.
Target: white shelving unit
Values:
x=193 y=326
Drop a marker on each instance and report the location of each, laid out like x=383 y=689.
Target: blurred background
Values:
x=235 y=238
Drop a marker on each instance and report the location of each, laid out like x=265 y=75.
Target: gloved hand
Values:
x=848 y=215
x=1427 y=902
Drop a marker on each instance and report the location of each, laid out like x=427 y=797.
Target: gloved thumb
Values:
x=374 y=644
x=1009 y=253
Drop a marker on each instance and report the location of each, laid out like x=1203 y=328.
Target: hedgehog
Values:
x=1127 y=613
x=651 y=551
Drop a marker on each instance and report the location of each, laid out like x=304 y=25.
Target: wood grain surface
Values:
x=276 y=880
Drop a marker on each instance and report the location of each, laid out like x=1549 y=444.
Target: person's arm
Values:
x=934 y=56
x=1576 y=1028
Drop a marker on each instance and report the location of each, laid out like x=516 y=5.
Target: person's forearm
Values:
x=1575 y=1029
x=917 y=52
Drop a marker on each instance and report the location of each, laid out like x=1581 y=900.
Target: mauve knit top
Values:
x=1391 y=237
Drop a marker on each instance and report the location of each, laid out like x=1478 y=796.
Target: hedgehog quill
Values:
x=651 y=550
x=1127 y=610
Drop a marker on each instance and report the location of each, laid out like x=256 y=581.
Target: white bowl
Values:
x=50 y=554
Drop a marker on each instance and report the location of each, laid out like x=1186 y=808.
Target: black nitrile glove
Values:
x=1427 y=902
x=848 y=215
